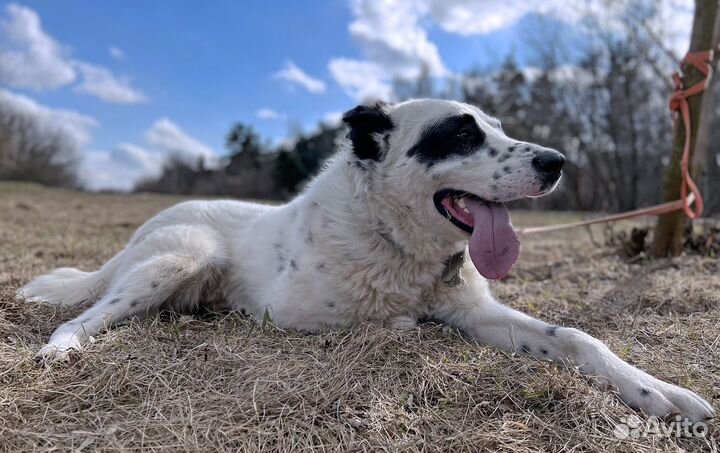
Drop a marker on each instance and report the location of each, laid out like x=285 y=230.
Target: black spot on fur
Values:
x=320 y=266
x=154 y=285
x=527 y=149
x=449 y=137
x=492 y=152
x=135 y=303
x=525 y=349
x=504 y=157
x=494 y=187
x=506 y=168
x=293 y=264
x=314 y=204
x=550 y=331
x=330 y=304
x=511 y=148
x=364 y=122
x=327 y=221
x=309 y=238
x=496 y=176
x=544 y=351
x=114 y=301
x=359 y=165
x=644 y=392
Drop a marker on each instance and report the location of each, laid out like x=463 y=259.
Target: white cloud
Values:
x=394 y=43
x=169 y=139
x=126 y=164
x=119 y=169
x=477 y=17
x=332 y=118
x=361 y=80
x=116 y=53
x=390 y=34
x=100 y=82
x=293 y=74
x=75 y=126
x=30 y=57
x=480 y=17
x=269 y=114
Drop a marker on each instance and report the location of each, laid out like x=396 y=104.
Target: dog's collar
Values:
x=451 y=274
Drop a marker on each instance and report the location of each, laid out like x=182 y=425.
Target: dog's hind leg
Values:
x=172 y=265
x=70 y=286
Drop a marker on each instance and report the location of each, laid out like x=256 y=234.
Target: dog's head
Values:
x=445 y=168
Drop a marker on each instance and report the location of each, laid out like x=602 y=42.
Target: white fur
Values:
x=359 y=244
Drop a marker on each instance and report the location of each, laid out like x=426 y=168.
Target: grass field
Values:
x=222 y=384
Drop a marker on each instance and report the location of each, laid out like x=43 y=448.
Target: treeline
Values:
x=608 y=114
x=607 y=111
x=252 y=170
x=31 y=150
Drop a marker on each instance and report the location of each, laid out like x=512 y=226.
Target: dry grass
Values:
x=220 y=383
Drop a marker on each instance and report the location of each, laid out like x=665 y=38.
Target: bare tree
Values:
x=31 y=151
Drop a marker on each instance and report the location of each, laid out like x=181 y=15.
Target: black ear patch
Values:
x=364 y=121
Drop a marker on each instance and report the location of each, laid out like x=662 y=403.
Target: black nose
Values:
x=548 y=163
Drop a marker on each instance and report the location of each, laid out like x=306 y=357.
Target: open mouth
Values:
x=452 y=204
x=493 y=245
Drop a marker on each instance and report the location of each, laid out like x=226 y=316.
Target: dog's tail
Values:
x=70 y=286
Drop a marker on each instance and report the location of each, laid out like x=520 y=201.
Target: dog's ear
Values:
x=364 y=123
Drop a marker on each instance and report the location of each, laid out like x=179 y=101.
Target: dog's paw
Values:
x=403 y=323
x=23 y=295
x=61 y=348
x=663 y=400
x=51 y=353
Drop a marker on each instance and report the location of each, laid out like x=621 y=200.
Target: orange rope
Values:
x=702 y=61
x=678 y=103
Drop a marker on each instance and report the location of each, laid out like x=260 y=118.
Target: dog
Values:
x=382 y=234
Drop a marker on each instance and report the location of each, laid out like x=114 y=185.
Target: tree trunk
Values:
x=704 y=162
x=669 y=229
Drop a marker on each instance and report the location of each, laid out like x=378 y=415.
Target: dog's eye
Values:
x=464 y=134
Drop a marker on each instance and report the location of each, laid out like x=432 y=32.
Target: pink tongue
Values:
x=494 y=246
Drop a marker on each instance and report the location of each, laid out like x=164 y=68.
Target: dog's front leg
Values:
x=473 y=310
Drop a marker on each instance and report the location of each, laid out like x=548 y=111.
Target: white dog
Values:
x=380 y=235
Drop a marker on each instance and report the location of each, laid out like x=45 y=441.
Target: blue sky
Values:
x=135 y=81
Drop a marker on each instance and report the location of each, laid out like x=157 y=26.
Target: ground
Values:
x=220 y=383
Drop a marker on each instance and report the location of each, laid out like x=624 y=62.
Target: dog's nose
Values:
x=548 y=163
